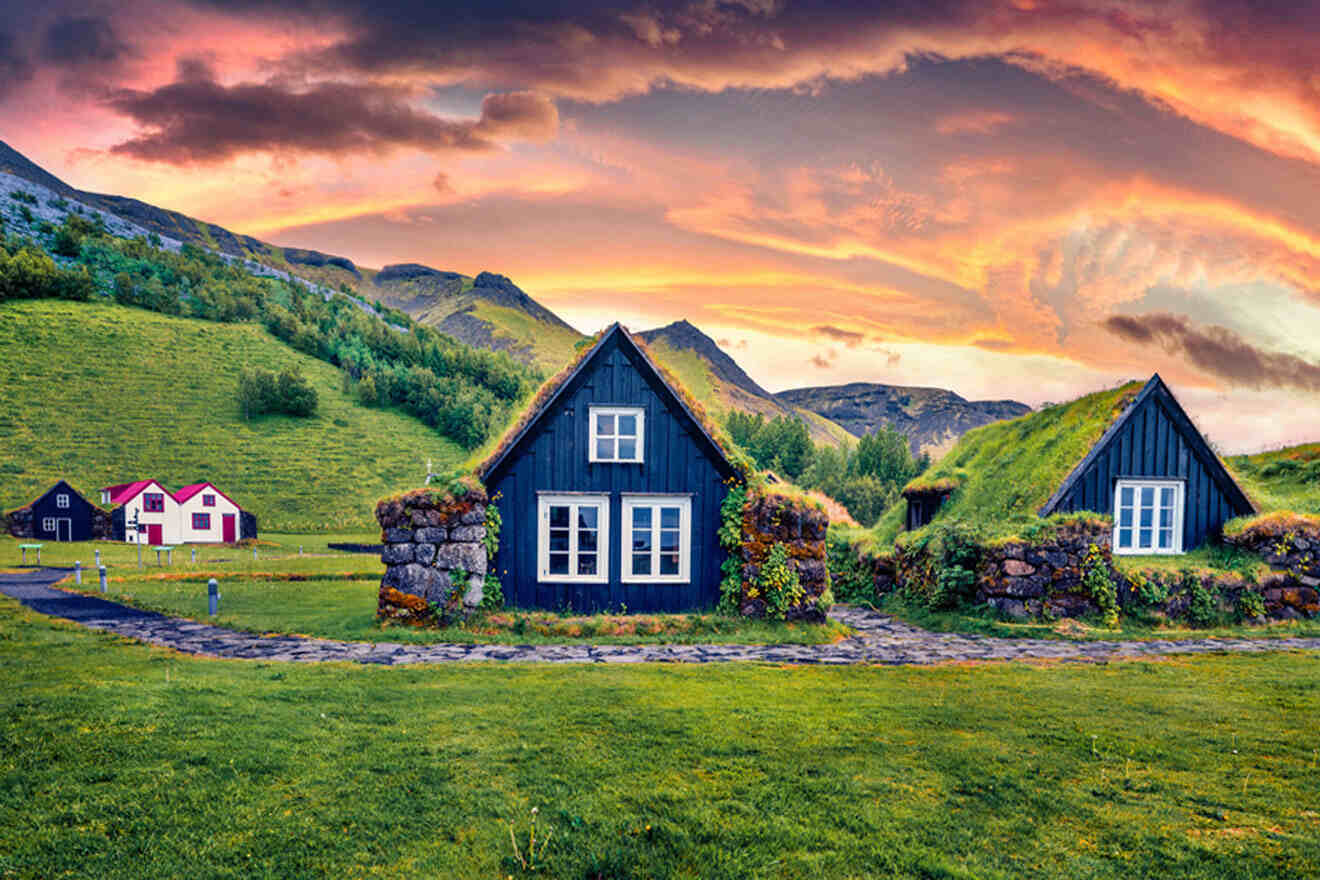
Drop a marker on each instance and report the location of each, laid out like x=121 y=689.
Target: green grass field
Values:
x=1283 y=479
x=103 y=394
x=122 y=760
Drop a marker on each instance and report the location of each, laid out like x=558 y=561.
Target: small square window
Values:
x=208 y=501
x=617 y=434
x=48 y=524
x=201 y=521
x=62 y=501
x=153 y=502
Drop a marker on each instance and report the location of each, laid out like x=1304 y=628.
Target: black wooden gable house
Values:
x=60 y=514
x=610 y=492
x=1153 y=471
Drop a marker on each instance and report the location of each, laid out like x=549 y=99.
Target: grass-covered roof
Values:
x=1003 y=473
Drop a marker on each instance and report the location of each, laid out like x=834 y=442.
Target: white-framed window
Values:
x=1148 y=516
x=657 y=539
x=573 y=541
x=62 y=501
x=618 y=433
x=48 y=524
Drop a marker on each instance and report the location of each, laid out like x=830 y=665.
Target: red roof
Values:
x=126 y=492
x=189 y=491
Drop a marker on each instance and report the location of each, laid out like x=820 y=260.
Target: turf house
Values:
x=1130 y=453
x=60 y=514
x=620 y=482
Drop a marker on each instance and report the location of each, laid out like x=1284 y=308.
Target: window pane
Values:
x=559 y=517
x=559 y=540
x=1147 y=515
x=1166 y=496
x=1166 y=517
x=586 y=563
x=605 y=450
x=1166 y=539
x=669 y=563
x=641 y=517
x=642 y=540
x=627 y=450
x=587 y=540
x=1144 y=541
x=641 y=563
x=669 y=517
x=559 y=563
x=669 y=540
x=1125 y=517
x=628 y=426
x=1147 y=496
x=604 y=424
x=1126 y=496
x=1125 y=538
x=587 y=517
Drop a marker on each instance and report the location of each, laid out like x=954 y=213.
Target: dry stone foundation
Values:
x=799 y=525
x=434 y=553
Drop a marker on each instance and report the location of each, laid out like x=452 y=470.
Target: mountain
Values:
x=719 y=383
x=931 y=418
x=488 y=311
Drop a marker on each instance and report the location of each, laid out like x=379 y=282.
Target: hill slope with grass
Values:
x=103 y=394
x=721 y=385
x=1282 y=479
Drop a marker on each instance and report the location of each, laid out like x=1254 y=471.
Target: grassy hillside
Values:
x=104 y=394
x=1284 y=479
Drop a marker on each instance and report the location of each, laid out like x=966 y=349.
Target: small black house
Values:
x=1156 y=475
x=610 y=491
x=61 y=514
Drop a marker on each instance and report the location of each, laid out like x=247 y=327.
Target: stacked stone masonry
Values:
x=434 y=553
x=800 y=526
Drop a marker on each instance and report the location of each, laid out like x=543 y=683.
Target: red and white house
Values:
x=207 y=515
x=150 y=514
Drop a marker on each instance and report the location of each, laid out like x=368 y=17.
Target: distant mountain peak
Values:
x=683 y=335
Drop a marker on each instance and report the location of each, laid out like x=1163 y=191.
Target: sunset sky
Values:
x=1009 y=199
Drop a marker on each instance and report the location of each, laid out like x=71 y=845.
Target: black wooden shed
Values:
x=610 y=491
x=1153 y=471
x=61 y=514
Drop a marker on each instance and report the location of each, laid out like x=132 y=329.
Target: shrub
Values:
x=1203 y=604
x=941 y=565
x=778 y=583
x=1099 y=584
x=850 y=578
x=1250 y=605
x=730 y=538
x=262 y=392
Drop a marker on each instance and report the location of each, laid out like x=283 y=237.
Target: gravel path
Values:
x=880 y=640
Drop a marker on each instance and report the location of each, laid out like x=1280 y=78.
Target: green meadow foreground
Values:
x=121 y=760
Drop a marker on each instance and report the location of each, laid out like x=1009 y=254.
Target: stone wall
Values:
x=429 y=536
x=799 y=525
x=1023 y=579
x=1290 y=544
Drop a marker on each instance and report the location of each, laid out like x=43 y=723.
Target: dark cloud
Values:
x=825 y=359
x=1217 y=351
x=196 y=119
x=850 y=338
x=81 y=41
x=15 y=69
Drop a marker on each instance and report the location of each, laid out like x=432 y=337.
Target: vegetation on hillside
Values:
x=101 y=394
x=465 y=393
x=262 y=392
x=1283 y=479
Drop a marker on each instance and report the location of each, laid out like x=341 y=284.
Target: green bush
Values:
x=1203 y=604
x=778 y=583
x=262 y=392
x=1250 y=605
x=1099 y=585
x=850 y=578
x=730 y=538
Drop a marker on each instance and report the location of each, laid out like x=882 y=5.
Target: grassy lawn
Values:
x=344 y=607
x=983 y=620
x=122 y=760
x=69 y=408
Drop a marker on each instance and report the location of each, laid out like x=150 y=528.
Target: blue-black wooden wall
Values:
x=552 y=457
x=1157 y=440
x=79 y=512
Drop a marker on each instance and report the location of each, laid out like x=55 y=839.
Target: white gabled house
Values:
x=144 y=513
x=207 y=515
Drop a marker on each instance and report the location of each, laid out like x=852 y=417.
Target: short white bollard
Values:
x=254 y=554
x=77 y=572
x=213 y=596
x=98 y=558
x=300 y=549
x=194 y=554
x=101 y=569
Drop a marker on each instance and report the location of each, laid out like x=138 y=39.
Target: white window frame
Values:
x=616 y=411
x=48 y=523
x=684 y=505
x=543 y=504
x=1179 y=516
x=62 y=501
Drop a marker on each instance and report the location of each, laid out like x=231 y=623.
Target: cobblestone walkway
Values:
x=880 y=640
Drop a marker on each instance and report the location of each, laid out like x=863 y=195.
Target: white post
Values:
x=213 y=596
x=101 y=569
x=194 y=554
x=254 y=554
x=77 y=572
x=98 y=558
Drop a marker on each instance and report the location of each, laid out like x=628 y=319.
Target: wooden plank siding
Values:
x=1153 y=443
x=552 y=457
